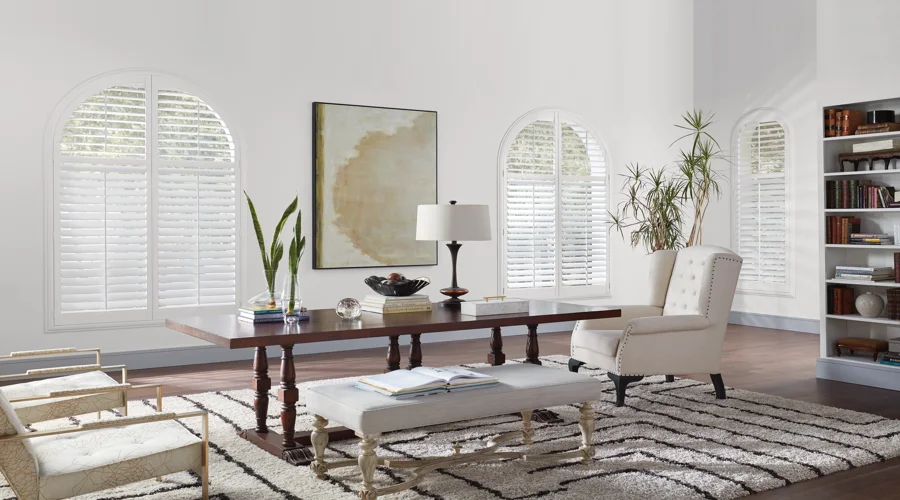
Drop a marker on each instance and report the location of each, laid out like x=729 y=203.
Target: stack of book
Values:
x=838 y=229
x=840 y=300
x=858 y=193
x=843 y=121
x=890 y=358
x=424 y=381
x=871 y=239
x=263 y=314
x=871 y=147
x=381 y=304
x=863 y=273
x=877 y=128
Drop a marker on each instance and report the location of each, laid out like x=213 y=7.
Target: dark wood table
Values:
x=325 y=326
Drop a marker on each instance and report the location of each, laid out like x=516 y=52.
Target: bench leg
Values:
x=319 y=439
x=527 y=431
x=586 y=424
x=367 y=462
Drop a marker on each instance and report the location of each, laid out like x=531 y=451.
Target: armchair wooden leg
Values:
x=621 y=382
x=574 y=365
x=718 y=384
x=670 y=378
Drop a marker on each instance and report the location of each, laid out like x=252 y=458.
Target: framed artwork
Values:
x=372 y=168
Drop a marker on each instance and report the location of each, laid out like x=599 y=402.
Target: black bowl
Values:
x=401 y=289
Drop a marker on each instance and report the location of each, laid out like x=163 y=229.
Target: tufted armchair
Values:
x=681 y=330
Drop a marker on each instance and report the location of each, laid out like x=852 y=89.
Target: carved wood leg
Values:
x=393 y=354
x=288 y=395
x=415 y=351
x=496 y=356
x=367 y=461
x=527 y=431
x=261 y=385
x=532 y=351
x=586 y=424
x=319 y=438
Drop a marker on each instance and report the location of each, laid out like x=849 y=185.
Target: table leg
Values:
x=288 y=394
x=496 y=356
x=393 y=354
x=532 y=351
x=261 y=385
x=415 y=351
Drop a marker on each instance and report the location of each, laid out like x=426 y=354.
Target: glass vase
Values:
x=291 y=301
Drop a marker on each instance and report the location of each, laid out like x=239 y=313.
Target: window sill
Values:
x=121 y=325
x=765 y=293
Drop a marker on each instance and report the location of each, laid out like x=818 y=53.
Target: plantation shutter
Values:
x=102 y=204
x=761 y=201
x=583 y=208
x=197 y=204
x=530 y=219
x=554 y=208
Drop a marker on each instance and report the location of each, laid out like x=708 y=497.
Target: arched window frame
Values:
x=557 y=291
x=757 y=116
x=153 y=315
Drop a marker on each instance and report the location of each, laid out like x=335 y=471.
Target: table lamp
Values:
x=453 y=223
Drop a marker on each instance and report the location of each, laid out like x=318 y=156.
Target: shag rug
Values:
x=670 y=441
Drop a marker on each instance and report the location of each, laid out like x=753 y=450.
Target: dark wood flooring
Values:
x=769 y=361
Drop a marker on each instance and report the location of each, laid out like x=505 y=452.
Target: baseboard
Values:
x=857 y=372
x=198 y=355
x=776 y=322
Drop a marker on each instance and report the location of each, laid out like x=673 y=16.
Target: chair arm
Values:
x=106 y=424
x=628 y=313
x=664 y=324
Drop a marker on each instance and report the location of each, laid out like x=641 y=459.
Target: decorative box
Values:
x=894 y=344
x=494 y=305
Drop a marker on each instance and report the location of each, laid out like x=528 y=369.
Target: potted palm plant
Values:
x=272 y=257
x=653 y=209
x=700 y=178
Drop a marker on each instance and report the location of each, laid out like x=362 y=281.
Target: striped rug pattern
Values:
x=671 y=441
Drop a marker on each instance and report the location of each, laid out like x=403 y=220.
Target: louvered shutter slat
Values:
x=761 y=195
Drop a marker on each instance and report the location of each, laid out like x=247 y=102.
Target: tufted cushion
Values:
x=82 y=462
x=49 y=409
x=17 y=462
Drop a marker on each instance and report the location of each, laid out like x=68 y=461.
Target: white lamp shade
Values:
x=453 y=223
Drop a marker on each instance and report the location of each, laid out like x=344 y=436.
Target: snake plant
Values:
x=276 y=249
x=295 y=252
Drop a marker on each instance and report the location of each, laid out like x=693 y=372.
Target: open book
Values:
x=425 y=380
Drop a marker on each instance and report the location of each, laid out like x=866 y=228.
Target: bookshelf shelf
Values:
x=864 y=247
x=862 y=172
x=861 y=319
x=862 y=137
x=881 y=284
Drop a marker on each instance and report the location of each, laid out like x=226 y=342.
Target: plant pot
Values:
x=291 y=300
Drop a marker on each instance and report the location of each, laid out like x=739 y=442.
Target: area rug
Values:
x=670 y=441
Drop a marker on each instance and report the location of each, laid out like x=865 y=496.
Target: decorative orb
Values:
x=348 y=308
x=869 y=305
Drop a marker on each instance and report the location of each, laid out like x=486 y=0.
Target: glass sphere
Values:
x=348 y=308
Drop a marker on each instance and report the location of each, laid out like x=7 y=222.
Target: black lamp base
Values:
x=454 y=293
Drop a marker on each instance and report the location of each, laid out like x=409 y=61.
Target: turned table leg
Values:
x=393 y=354
x=415 y=351
x=261 y=385
x=288 y=395
x=496 y=356
x=532 y=351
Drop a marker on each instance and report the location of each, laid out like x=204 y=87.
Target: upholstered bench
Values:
x=522 y=388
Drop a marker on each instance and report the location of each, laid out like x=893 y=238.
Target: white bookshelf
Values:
x=857 y=369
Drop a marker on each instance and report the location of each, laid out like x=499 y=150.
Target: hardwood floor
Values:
x=757 y=359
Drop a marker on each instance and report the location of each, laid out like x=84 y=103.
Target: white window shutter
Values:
x=554 y=209
x=197 y=204
x=761 y=199
x=102 y=204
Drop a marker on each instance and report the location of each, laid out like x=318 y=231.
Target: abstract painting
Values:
x=373 y=167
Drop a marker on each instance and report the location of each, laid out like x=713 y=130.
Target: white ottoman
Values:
x=522 y=388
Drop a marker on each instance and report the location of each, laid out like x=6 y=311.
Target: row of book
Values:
x=839 y=228
x=858 y=193
x=265 y=314
x=381 y=304
x=840 y=299
x=854 y=273
x=890 y=358
x=843 y=121
x=425 y=381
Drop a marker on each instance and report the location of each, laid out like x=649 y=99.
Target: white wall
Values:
x=626 y=67
x=762 y=54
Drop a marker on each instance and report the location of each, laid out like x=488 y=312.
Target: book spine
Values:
x=830 y=130
x=838 y=121
x=397 y=310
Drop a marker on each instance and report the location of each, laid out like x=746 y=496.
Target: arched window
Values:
x=145 y=183
x=553 y=204
x=761 y=202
